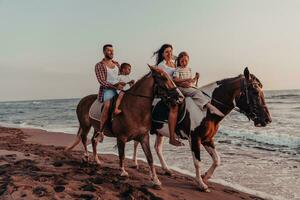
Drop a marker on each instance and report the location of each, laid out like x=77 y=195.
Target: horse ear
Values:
x=247 y=73
x=152 y=68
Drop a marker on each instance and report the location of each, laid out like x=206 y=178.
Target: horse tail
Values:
x=85 y=124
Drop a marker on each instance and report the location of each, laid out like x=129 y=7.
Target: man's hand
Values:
x=120 y=85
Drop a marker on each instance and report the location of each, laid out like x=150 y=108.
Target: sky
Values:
x=48 y=49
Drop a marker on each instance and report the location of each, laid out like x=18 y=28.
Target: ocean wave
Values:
x=284 y=96
x=271 y=139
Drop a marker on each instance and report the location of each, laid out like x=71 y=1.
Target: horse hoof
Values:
x=156 y=186
x=168 y=172
x=206 y=190
x=124 y=174
x=85 y=159
x=135 y=166
x=98 y=162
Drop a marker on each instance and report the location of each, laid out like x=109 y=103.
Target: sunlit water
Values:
x=263 y=161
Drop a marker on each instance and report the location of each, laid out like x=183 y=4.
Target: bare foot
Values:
x=176 y=143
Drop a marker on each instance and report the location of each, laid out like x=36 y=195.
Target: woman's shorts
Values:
x=108 y=94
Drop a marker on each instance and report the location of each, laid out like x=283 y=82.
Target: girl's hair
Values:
x=160 y=51
x=181 y=55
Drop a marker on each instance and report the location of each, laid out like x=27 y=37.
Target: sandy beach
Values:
x=34 y=165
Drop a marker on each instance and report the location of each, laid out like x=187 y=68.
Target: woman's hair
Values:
x=160 y=51
x=181 y=55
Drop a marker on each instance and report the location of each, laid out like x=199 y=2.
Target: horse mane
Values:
x=257 y=80
x=228 y=80
x=139 y=80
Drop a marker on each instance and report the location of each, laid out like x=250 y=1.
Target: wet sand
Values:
x=34 y=165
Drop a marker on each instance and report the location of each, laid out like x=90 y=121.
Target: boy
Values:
x=125 y=70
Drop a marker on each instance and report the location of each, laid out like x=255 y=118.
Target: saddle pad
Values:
x=95 y=110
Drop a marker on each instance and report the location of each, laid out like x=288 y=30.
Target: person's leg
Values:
x=172 y=121
x=107 y=96
x=104 y=115
x=201 y=100
x=118 y=102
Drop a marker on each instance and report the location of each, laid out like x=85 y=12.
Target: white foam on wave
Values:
x=266 y=137
x=69 y=130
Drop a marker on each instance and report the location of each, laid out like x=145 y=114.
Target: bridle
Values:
x=244 y=91
x=168 y=97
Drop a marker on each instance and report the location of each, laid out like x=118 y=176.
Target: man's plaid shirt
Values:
x=101 y=74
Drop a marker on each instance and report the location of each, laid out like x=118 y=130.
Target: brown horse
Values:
x=244 y=92
x=134 y=122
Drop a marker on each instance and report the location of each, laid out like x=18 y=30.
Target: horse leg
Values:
x=82 y=134
x=216 y=162
x=77 y=140
x=195 y=143
x=146 y=148
x=121 y=149
x=134 y=158
x=95 y=139
x=84 y=143
x=158 y=148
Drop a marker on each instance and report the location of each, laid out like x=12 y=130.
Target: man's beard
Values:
x=109 y=57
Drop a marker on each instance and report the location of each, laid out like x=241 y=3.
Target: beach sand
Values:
x=34 y=165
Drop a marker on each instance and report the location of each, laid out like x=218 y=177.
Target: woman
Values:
x=183 y=78
x=164 y=60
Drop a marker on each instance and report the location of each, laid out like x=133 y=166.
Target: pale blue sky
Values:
x=48 y=49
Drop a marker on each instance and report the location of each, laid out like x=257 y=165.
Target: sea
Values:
x=263 y=161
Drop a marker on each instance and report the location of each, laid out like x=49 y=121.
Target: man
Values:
x=107 y=72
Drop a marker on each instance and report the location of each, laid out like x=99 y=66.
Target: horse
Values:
x=243 y=92
x=134 y=122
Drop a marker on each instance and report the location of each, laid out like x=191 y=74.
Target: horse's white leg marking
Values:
x=134 y=158
x=158 y=148
x=216 y=162
x=201 y=184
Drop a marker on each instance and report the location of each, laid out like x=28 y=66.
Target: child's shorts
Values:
x=108 y=94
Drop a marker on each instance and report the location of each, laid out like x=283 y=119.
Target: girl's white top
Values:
x=166 y=68
x=112 y=75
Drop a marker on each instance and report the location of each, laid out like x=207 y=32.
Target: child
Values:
x=183 y=78
x=125 y=70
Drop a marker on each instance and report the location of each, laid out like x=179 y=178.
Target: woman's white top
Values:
x=112 y=75
x=166 y=68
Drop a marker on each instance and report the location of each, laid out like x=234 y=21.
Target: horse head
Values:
x=252 y=101
x=165 y=88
